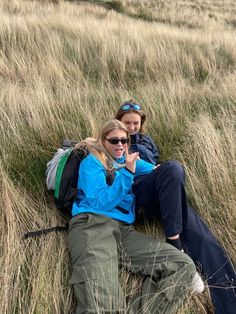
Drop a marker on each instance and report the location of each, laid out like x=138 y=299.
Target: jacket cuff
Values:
x=130 y=171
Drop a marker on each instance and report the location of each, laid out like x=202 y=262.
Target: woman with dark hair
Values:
x=164 y=187
x=101 y=237
x=134 y=118
x=183 y=227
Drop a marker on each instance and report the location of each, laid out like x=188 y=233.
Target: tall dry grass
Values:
x=192 y=14
x=64 y=69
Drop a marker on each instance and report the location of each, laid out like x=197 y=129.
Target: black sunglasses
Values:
x=129 y=106
x=115 y=141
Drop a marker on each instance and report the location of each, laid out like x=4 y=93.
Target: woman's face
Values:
x=115 y=150
x=132 y=121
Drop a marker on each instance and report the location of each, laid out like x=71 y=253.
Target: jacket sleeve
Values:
x=143 y=167
x=92 y=181
x=155 y=150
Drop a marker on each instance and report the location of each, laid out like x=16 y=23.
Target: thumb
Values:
x=126 y=151
x=136 y=155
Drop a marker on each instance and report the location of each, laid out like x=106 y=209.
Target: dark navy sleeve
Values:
x=155 y=150
x=146 y=147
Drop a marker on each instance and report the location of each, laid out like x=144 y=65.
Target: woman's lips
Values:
x=119 y=151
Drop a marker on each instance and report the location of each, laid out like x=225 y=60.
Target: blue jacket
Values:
x=96 y=196
x=146 y=147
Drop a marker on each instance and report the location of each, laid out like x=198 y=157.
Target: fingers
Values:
x=132 y=156
x=126 y=151
x=131 y=160
x=136 y=155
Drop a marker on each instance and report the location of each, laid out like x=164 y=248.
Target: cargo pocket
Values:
x=96 y=291
x=78 y=220
x=77 y=225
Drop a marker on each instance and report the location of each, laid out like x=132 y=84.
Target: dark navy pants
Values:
x=161 y=193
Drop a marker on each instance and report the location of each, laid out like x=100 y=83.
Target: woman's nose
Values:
x=131 y=127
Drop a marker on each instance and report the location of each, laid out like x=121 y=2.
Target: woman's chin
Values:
x=118 y=154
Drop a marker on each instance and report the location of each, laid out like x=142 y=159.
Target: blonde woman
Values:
x=102 y=239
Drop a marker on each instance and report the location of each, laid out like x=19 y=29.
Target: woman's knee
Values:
x=187 y=267
x=173 y=169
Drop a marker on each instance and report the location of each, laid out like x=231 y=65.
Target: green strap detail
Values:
x=59 y=172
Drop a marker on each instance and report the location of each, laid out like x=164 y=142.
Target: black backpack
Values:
x=64 y=168
x=66 y=180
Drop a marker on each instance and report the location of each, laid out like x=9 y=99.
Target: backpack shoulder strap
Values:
x=59 y=171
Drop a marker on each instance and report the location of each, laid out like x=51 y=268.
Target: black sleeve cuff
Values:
x=130 y=171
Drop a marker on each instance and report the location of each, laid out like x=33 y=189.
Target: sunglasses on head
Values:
x=130 y=106
x=115 y=141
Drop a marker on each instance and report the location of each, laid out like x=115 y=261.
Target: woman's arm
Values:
x=155 y=150
x=143 y=167
x=146 y=147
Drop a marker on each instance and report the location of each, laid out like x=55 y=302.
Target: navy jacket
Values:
x=146 y=147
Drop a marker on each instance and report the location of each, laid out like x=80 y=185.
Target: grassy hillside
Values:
x=64 y=69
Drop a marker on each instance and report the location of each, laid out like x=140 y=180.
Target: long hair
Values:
x=140 y=112
x=95 y=146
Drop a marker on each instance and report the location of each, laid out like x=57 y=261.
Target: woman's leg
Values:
x=205 y=250
x=167 y=272
x=197 y=239
x=92 y=242
x=162 y=193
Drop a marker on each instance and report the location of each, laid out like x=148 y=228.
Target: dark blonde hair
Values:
x=96 y=147
x=120 y=113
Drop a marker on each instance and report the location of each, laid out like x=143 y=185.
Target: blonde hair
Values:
x=95 y=146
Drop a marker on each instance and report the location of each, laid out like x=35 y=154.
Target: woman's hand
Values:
x=158 y=165
x=131 y=160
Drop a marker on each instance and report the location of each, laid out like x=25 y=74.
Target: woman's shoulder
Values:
x=142 y=138
x=91 y=160
x=145 y=135
x=142 y=135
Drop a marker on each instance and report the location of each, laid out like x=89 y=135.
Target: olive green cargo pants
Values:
x=99 y=246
